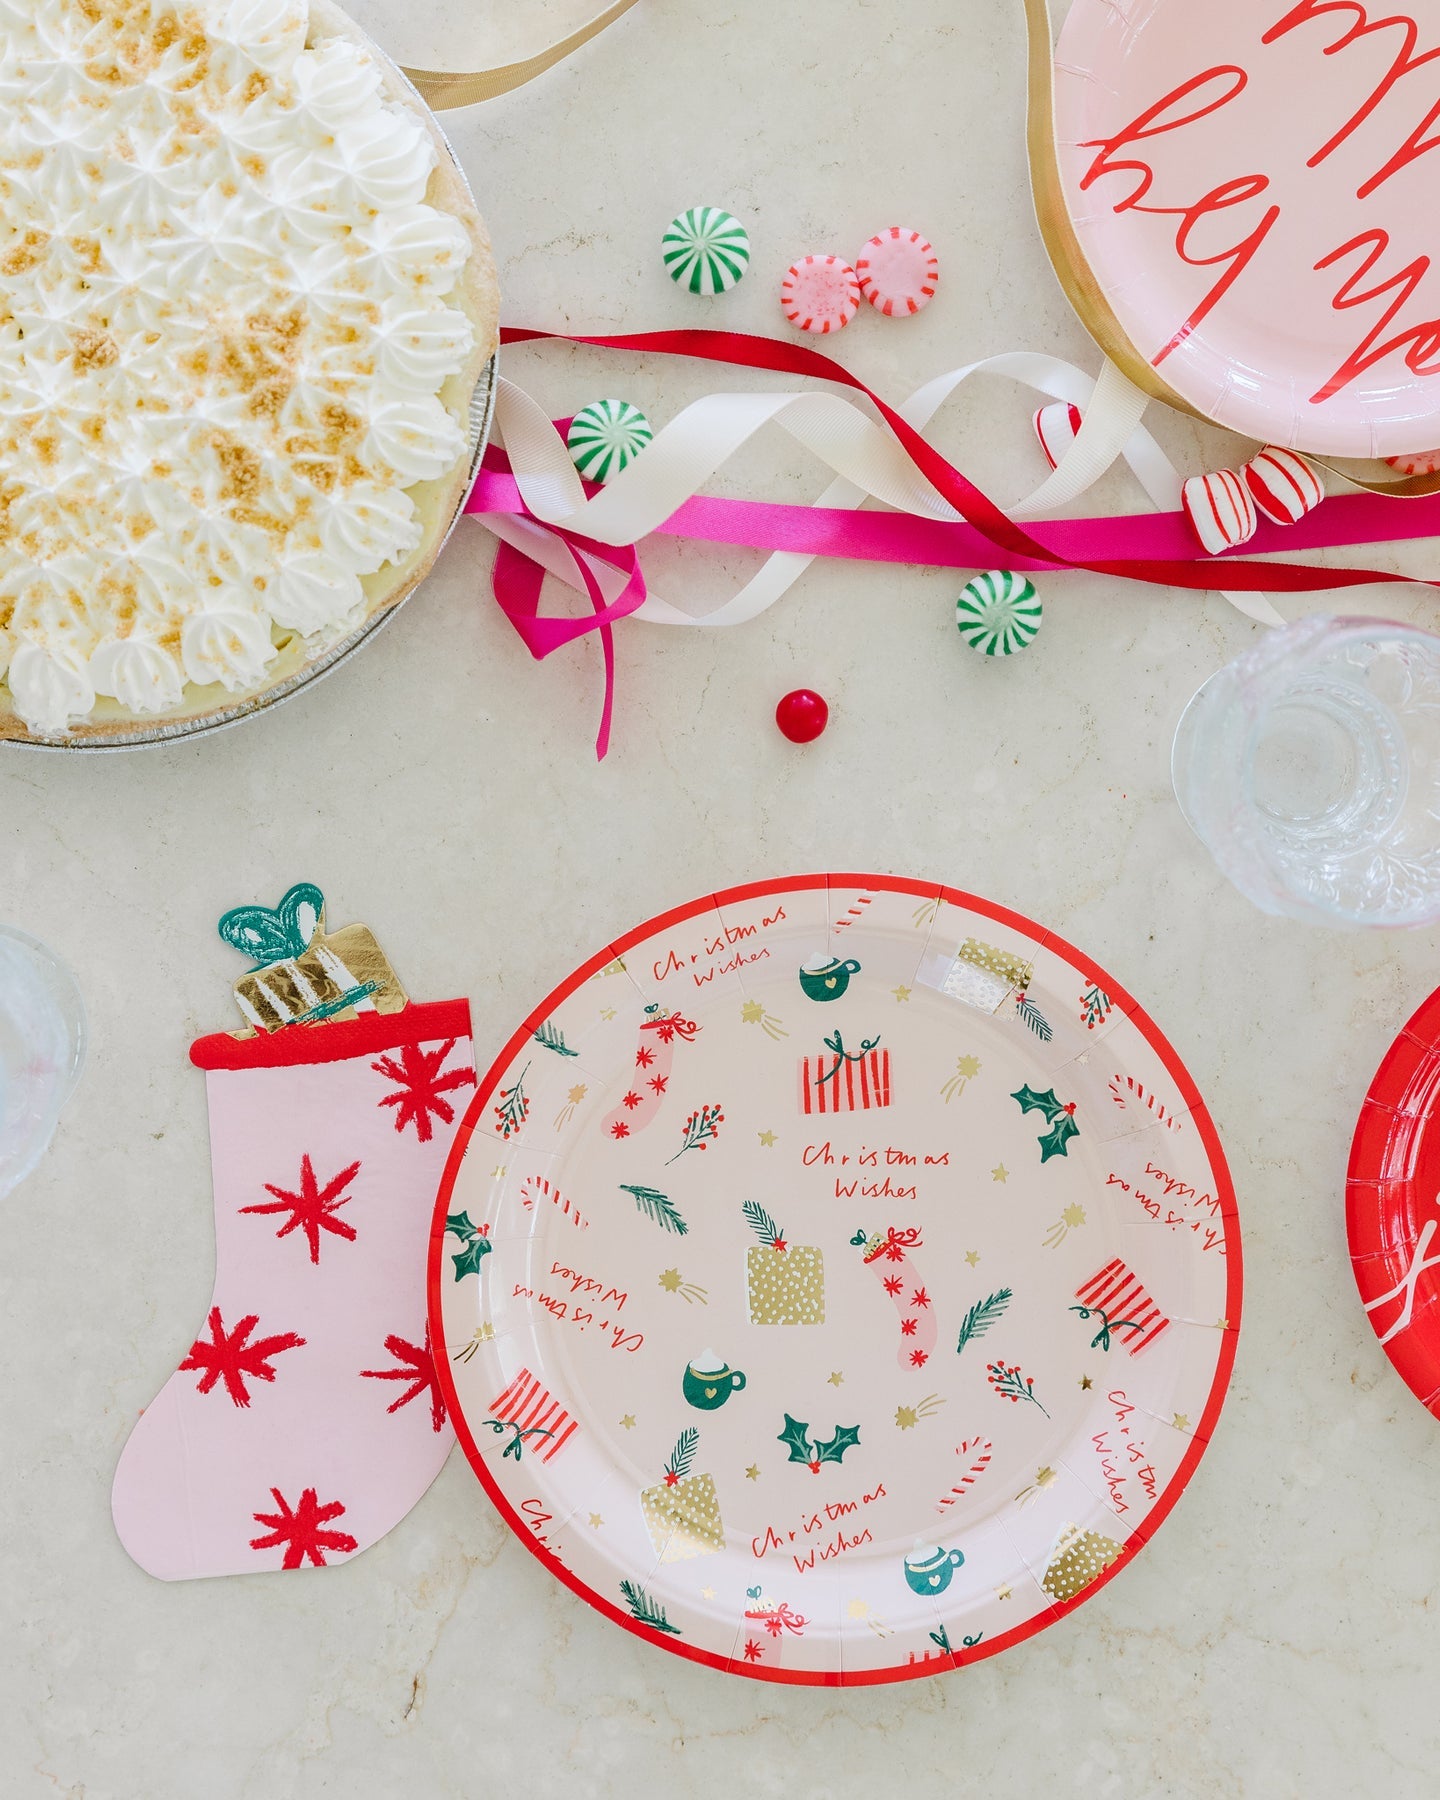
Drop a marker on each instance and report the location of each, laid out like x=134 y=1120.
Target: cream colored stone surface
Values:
x=1278 y=1638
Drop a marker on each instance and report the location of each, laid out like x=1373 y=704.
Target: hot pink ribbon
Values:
x=1156 y=548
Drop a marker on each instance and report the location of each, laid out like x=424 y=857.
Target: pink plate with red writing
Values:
x=835 y=1280
x=1252 y=184
x=1393 y=1204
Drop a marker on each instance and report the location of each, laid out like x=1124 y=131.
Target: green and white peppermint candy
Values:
x=606 y=437
x=999 y=613
x=706 y=250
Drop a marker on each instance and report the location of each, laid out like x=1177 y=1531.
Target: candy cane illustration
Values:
x=1125 y=1089
x=536 y=1187
x=651 y=1077
x=889 y=1257
x=978 y=1450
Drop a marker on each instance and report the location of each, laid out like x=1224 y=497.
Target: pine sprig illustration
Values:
x=763 y=1225
x=658 y=1207
x=982 y=1315
x=646 y=1611
x=1034 y=1018
x=702 y=1125
x=551 y=1037
x=682 y=1455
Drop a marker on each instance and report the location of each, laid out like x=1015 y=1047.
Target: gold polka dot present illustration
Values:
x=1077 y=1559
x=785 y=1281
x=682 y=1512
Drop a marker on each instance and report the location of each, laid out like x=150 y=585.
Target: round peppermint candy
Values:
x=606 y=437
x=898 y=272
x=1419 y=462
x=998 y=613
x=706 y=250
x=820 y=294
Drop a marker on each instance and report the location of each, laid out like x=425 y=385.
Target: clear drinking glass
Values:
x=1310 y=769
x=42 y=1048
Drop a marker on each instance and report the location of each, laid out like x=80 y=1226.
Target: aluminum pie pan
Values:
x=220 y=718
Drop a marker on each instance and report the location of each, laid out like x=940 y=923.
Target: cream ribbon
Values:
x=868 y=461
x=443 y=91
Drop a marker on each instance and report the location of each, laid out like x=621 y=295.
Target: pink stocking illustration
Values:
x=889 y=1257
x=651 y=1078
x=305 y=1420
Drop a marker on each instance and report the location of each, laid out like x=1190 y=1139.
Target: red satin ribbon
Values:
x=518 y=581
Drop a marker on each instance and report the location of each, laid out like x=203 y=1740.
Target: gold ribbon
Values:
x=443 y=91
x=1077 y=278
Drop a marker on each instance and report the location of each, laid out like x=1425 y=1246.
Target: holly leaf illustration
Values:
x=1054 y=1141
x=468 y=1261
x=833 y=1449
x=476 y=1246
x=796 y=1438
x=1034 y=1100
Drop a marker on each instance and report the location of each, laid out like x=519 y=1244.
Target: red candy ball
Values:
x=802 y=716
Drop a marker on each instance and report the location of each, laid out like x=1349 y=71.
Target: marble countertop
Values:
x=1278 y=1636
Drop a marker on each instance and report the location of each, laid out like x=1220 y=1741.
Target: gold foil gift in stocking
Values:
x=302 y=973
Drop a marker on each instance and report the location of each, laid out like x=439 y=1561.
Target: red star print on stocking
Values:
x=324 y=1180
x=313 y=1209
x=230 y=1357
x=301 y=1531
x=417 y=1367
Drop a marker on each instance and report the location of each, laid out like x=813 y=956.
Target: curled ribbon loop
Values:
x=894 y=1245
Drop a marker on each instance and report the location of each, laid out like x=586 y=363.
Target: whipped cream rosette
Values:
x=245 y=301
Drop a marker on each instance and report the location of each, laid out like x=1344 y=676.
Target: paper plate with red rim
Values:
x=836 y=1279
x=1252 y=189
x=1392 y=1204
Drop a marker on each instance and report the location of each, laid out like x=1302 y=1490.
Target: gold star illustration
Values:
x=1083 y=1059
x=767 y=1138
x=999 y=1173
x=628 y=1422
x=498 y=1172
x=901 y=993
x=577 y=1093
x=1073 y=1216
x=968 y=1066
x=857 y=1609
x=1180 y=1422
x=1044 y=1477
x=1086 y=1382
x=972 y=1257
x=607 y=1013
x=752 y=1012
x=1002 y=1592
x=835 y=1378
x=670 y=1281
x=905 y=1417
x=596 y=1521
x=753 y=1472
x=707 y=1593
x=1222 y=1324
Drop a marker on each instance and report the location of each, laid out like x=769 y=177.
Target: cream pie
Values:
x=244 y=300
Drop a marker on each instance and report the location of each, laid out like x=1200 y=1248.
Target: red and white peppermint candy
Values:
x=1283 y=485
x=1418 y=462
x=1221 y=510
x=820 y=293
x=898 y=272
x=1057 y=426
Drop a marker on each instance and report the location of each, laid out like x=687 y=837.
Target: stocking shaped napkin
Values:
x=305 y=1418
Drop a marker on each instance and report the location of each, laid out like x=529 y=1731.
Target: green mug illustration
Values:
x=709 y=1382
x=930 y=1570
x=826 y=977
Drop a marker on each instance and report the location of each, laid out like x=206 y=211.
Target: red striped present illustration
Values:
x=538 y=1423
x=840 y=1080
x=1118 y=1298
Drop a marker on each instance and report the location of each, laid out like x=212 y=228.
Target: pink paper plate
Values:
x=838 y=1280
x=1392 y=1209
x=1296 y=303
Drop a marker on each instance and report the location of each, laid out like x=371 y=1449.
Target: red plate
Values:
x=1393 y=1204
